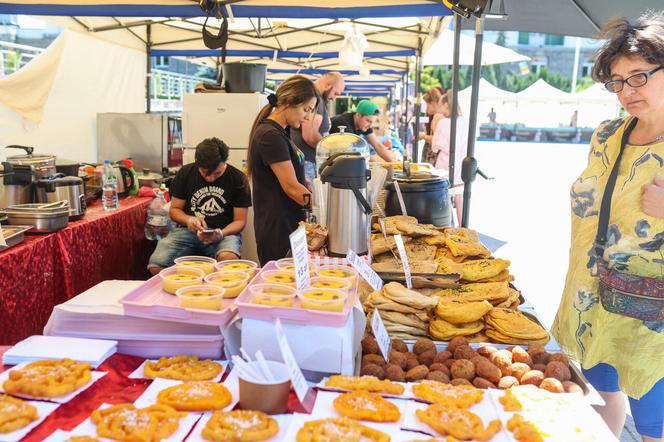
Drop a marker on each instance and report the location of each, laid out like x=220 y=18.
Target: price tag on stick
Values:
x=400 y=198
x=380 y=333
x=365 y=271
x=298 y=240
x=404 y=260
x=297 y=378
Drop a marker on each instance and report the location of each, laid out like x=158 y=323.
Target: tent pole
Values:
x=405 y=110
x=402 y=118
x=469 y=168
x=418 y=104
x=148 y=76
x=455 y=96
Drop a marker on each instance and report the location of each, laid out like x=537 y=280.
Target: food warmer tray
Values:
x=15 y=236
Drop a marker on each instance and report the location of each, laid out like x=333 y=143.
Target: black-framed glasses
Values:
x=636 y=80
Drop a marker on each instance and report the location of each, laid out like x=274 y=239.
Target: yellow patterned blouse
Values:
x=635 y=244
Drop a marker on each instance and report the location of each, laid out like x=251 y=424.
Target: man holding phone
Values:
x=209 y=203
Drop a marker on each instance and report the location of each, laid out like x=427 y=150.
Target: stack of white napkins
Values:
x=35 y=348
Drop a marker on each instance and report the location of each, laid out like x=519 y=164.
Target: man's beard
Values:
x=326 y=95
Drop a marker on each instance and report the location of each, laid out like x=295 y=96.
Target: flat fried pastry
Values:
x=240 y=426
x=366 y=406
x=462 y=246
x=457 y=312
x=494 y=292
x=459 y=396
x=48 y=379
x=195 y=396
x=458 y=422
x=340 y=429
x=125 y=422
x=368 y=383
x=514 y=324
x=15 y=414
x=442 y=330
x=523 y=430
x=182 y=368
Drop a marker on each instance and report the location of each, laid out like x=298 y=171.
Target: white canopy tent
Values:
x=503 y=102
x=595 y=105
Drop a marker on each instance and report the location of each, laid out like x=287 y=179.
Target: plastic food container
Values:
x=322 y=282
x=242 y=265
x=179 y=276
x=204 y=263
x=233 y=282
x=204 y=297
x=288 y=265
x=338 y=271
x=286 y=277
x=272 y=294
x=323 y=299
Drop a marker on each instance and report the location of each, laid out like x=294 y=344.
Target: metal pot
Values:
x=43 y=165
x=425 y=196
x=149 y=179
x=67 y=167
x=45 y=217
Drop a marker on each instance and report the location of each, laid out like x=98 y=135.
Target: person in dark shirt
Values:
x=276 y=166
x=209 y=203
x=360 y=122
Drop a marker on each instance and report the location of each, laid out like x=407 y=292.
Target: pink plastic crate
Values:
x=295 y=314
x=150 y=301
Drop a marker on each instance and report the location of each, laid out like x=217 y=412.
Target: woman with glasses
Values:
x=620 y=354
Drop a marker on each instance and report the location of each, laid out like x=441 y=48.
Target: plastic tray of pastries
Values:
x=13 y=235
x=293 y=313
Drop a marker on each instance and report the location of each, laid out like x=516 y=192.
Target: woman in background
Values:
x=433 y=98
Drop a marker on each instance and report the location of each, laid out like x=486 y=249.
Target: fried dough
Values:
x=415 y=266
x=513 y=323
x=462 y=246
x=414 y=229
x=398 y=293
x=487 y=291
x=381 y=244
x=445 y=331
x=457 y=312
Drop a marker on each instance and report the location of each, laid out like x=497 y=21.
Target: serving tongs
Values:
x=424 y=280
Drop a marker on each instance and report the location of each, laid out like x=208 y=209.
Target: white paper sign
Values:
x=365 y=270
x=404 y=260
x=298 y=240
x=380 y=333
x=297 y=378
x=400 y=198
x=382 y=227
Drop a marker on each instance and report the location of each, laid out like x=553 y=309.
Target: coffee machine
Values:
x=348 y=212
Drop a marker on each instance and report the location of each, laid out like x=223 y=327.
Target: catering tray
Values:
x=13 y=235
x=246 y=309
x=150 y=301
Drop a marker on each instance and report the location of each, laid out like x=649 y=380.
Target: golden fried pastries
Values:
x=51 y=378
x=366 y=406
x=510 y=402
x=240 y=426
x=457 y=312
x=476 y=270
x=435 y=240
x=390 y=223
x=339 y=429
x=412 y=320
x=512 y=301
x=442 y=330
x=195 y=396
x=367 y=383
x=15 y=414
x=458 y=422
x=462 y=246
x=127 y=423
x=524 y=431
x=494 y=292
x=464 y=232
x=412 y=228
x=398 y=293
x=381 y=244
x=182 y=368
x=459 y=396
x=391 y=265
x=419 y=252
x=512 y=326
x=384 y=304
x=445 y=254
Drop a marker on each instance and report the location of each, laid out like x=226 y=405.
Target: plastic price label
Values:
x=298 y=240
x=297 y=378
x=404 y=260
x=380 y=333
x=365 y=270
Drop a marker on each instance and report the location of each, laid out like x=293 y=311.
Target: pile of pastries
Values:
x=460 y=364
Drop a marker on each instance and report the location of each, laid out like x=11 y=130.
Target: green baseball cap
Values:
x=367 y=107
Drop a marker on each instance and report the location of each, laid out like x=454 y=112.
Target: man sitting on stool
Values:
x=209 y=201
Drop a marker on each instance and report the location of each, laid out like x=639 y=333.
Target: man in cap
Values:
x=361 y=122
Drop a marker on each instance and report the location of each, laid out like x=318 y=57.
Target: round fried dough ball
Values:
x=488 y=371
x=572 y=387
x=483 y=383
x=438 y=376
x=417 y=373
x=373 y=359
x=558 y=370
x=540 y=357
x=508 y=382
x=399 y=359
x=503 y=360
x=559 y=357
x=422 y=345
x=521 y=355
x=411 y=363
x=460 y=381
x=373 y=370
x=540 y=367
x=394 y=373
x=464 y=352
x=456 y=341
x=477 y=358
x=427 y=357
x=464 y=369
x=533 y=377
x=535 y=348
x=448 y=363
x=399 y=345
x=439 y=367
x=443 y=356
x=370 y=346
x=486 y=350
x=519 y=369
x=552 y=384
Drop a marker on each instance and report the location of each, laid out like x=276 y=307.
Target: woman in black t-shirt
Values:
x=276 y=166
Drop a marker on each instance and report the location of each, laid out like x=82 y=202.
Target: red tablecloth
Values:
x=46 y=270
x=114 y=388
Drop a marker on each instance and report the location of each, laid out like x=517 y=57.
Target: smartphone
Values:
x=207 y=232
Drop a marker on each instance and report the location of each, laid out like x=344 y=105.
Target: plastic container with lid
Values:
x=323 y=299
x=242 y=265
x=323 y=282
x=286 y=277
x=338 y=271
x=233 y=281
x=204 y=297
x=276 y=295
x=178 y=276
x=288 y=265
x=205 y=263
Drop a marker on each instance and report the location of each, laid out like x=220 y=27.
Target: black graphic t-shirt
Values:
x=213 y=202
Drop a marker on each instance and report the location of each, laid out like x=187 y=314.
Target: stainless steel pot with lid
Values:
x=42 y=164
x=149 y=179
x=337 y=143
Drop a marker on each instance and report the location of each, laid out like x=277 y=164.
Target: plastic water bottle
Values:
x=109 y=193
x=158 y=222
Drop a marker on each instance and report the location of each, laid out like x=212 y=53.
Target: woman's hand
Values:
x=652 y=200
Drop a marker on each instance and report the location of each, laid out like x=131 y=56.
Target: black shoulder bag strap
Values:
x=605 y=208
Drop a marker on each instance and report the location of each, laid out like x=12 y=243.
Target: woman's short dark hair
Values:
x=642 y=38
x=210 y=153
